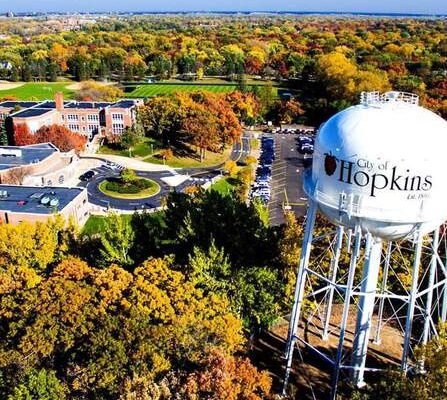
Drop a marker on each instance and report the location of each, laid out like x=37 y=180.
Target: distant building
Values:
x=85 y=117
x=32 y=204
x=37 y=165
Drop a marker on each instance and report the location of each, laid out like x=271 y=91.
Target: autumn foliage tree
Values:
x=23 y=135
x=94 y=91
x=63 y=138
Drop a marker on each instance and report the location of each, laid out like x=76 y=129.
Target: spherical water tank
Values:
x=381 y=164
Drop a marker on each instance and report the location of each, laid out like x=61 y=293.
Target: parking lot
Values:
x=287 y=183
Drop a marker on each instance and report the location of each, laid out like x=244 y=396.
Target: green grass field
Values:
x=38 y=91
x=155 y=89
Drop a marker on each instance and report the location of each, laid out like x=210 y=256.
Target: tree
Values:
x=226 y=377
x=105 y=330
x=63 y=138
x=230 y=167
x=160 y=115
x=166 y=154
x=3 y=134
x=201 y=125
x=42 y=384
x=16 y=176
x=289 y=251
x=131 y=137
x=23 y=135
x=117 y=239
x=128 y=175
x=394 y=385
x=27 y=244
x=94 y=91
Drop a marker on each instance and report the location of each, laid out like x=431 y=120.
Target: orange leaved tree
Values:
x=63 y=138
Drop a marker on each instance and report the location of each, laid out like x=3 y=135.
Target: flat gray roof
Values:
x=29 y=154
x=36 y=200
x=31 y=112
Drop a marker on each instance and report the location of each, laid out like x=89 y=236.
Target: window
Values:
x=118 y=117
x=73 y=127
x=117 y=128
x=93 y=128
x=72 y=117
x=92 y=117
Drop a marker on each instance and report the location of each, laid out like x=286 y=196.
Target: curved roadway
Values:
x=197 y=175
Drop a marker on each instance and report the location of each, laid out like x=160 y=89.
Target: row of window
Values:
x=117 y=128
x=75 y=117
x=118 y=117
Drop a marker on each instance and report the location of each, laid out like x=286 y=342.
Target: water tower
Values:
x=378 y=177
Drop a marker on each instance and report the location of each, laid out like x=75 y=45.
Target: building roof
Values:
x=15 y=156
x=50 y=104
x=87 y=105
x=23 y=104
x=36 y=200
x=123 y=104
x=31 y=112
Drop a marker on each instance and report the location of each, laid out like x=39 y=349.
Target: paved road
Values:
x=287 y=181
x=197 y=176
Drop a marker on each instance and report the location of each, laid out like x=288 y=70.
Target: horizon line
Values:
x=229 y=12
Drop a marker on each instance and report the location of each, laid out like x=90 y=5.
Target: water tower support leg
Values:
x=344 y=318
x=334 y=270
x=373 y=252
x=299 y=289
x=377 y=338
x=431 y=281
x=411 y=304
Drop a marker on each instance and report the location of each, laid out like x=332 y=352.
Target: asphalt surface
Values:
x=198 y=176
x=287 y=180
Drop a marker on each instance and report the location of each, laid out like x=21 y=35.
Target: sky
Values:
x=385 y=6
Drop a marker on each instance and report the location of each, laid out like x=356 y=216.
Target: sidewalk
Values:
x=131 y=163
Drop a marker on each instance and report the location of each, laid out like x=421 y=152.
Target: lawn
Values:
x=144 y=149
x=95 y=224
x=211 y=160
x=38 y=91
x=225 y=185
x=154 y=89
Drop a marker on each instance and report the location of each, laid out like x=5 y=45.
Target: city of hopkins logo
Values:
x=330 y=164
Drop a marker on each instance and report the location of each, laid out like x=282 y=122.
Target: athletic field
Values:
x=35 y=91
x=155 y=89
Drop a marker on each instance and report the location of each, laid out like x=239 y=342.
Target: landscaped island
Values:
x=129 y=186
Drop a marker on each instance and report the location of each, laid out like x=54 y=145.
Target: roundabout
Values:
x=142 y=188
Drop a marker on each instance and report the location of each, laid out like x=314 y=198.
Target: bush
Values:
x=133 y=187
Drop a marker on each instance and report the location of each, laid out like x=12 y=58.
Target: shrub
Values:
x=133 y=187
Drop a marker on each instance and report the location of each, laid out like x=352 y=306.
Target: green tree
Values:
x=128 y=175
x=131 y=137
x=39 y=385
x=117 y=239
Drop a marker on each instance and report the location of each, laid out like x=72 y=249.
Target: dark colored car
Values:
x=87 y=176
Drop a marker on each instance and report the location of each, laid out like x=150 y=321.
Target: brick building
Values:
x=32 y=204
x=84 y=117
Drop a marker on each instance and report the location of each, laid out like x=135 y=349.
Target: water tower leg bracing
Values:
x=334 y=271
x=346 y=306
x=299 y=288
x=404 y=306
x=373 y=252
x=383 y=288
x=411 y=303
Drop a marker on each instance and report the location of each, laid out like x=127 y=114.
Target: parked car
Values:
x=86 y=176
